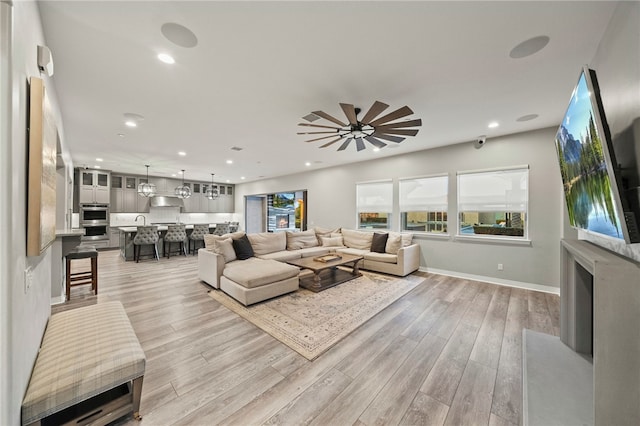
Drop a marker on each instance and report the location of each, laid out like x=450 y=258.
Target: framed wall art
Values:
x=41 y=196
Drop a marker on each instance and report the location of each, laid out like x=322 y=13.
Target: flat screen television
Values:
x=587 y=164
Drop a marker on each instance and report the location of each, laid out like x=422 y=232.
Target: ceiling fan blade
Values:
x=345 y=144
x=319 y=125
x=375 y=142
x=318 y=139
x=331 y=142
x=389 y=138
x=399 y=113
x=315 y=133
x=330 y=118
x=359 y=144
x=409 y=123
x=404 y=132
x=350 y=112
x=374 y=111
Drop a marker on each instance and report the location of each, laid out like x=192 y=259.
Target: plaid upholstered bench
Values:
x=89 y=369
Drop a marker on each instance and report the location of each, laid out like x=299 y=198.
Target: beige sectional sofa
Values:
x=265 y=275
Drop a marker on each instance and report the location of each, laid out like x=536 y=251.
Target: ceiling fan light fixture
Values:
x=183 y=191
x=370 y=128
x=147 y=189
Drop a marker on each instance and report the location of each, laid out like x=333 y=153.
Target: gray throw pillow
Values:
x=379 y=242
x=243 y=248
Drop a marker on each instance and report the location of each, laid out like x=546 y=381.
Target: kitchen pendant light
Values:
x=147 y=189
x=212 y=192
x=183 y=191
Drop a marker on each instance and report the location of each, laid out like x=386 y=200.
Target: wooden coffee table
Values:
x=327 y=274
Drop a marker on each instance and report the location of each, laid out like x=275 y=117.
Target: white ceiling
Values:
x=260 y=66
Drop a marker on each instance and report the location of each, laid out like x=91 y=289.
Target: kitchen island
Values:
x=128 y=233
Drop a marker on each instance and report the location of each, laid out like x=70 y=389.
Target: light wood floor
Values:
x=447 y=353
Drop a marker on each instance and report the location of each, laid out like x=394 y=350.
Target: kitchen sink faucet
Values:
x=144 y=219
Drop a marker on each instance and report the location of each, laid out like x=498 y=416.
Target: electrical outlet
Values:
x=500 y=267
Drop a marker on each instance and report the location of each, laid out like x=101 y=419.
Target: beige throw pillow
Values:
x=225 y=248
x=325 y=232
x=210 y=238
x=394 y=242
x=300 y=240
x=332 y=241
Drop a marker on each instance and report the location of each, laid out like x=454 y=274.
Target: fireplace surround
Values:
x=599 y=318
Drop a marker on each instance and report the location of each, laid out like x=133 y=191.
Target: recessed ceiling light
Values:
x=307 y=164
x=376 y=149
x=493 y=125
x=529 y=47
x=133 y=116
x=527 y=117
x=228 y=181
x=182 y=153
x=96 y=166
x=130 y=123
x=173 y=175
x=179 y=34
x=167 y=59
x=242 y=177
x=229 y=161
x=99 y=160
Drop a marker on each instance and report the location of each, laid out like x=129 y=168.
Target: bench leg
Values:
x=137 y=392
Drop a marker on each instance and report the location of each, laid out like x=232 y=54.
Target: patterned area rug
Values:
x=310 y=323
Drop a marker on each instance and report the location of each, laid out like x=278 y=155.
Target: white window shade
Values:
x=375 y=197
x=495 y=191
x=424 y=194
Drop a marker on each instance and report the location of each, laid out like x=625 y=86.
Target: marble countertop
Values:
x=160 y=227
x=69 y=232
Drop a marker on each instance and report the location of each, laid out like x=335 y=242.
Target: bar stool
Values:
x=84 y=277
x=199 y=231
x=175 y=234
x=146 y=235
x=221 y=229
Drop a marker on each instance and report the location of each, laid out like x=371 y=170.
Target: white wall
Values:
x=24 y=313
x=331 y=203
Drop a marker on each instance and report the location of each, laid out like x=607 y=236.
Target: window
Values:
x=494 y=203
x=423 y=204
x=374 y=204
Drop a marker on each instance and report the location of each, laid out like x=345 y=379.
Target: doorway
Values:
x=279 y=211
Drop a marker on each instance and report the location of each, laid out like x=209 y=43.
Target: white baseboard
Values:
x=493 y=280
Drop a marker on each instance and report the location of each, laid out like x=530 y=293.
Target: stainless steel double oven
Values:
x=94 y=219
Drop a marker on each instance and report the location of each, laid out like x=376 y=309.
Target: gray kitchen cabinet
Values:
x=160 y=183
x=94 y=186
x=114 y=237
x=116 y=204
x=130 y=201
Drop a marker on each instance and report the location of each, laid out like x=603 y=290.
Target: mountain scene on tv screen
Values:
x=587 y=186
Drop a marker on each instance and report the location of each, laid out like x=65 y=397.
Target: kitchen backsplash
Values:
x=129 y=219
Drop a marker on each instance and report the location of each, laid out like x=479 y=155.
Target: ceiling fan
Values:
x=369 y=127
